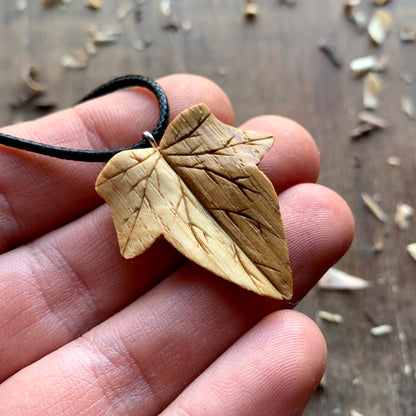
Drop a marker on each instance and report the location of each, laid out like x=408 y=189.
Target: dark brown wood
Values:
x=272 y=65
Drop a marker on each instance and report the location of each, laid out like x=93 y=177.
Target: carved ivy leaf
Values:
x=201 y=189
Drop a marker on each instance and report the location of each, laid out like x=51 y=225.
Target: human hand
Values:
x=85 y=332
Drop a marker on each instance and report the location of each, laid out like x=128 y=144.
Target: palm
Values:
x=83 y=331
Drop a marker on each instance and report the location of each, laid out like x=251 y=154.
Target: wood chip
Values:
x=363 y=65
x=94 y=4
x=187 y=190
x=104 y=36
x=21 y=5
x=378 y=243
x=170 y=24
x=380 y=2
x=408 y=106
x=186 y=25
x=124 y=10
x=371 y=90
x=411 y=249
x=362 y=130
x=379 y=26
x=79 y=60
x=373 y=119
x=91 y=48
x=374 y=207
x=403 y=214
x=250 y=9
x=165 y=8
x=358 y=17
x=381 y=330
x=142 y=44
x=349 y=5
x=394 y=161
x=335 y=279
x=335 y=318
x=49 y=3
x=408 y=33
x=330 y=52
x=29 y=76
x=354 y=412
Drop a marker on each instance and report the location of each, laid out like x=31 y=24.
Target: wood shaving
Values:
x=408 y=107
x=186 y=25
x=371 y=90
x=250 y=9
x=21 y=5
x=79 y=60
x=408 y=33
x=105 y=36
x=411 y=249
x=142 y=45
x=349 y=5
x=362 y=130
x=378 y=243
x=394 y=161
x=49 y=3
x=91 y=48
x=335 y=318
x=124 y=10
x=165 y=8
x=222 y=71
x=381 y=330
x=374 y=207
x=380 y=2
x=170 y=24
x=373 y=119
x=357 y=381
x=363 y=65
x=379 y=26
x=330 y=52
x=335 y=279
x=29 y=76
x=403 y=214
x=94 y=4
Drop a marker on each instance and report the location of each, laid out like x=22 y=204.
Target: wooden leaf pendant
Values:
x=201 y=189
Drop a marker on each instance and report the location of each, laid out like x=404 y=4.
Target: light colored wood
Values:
x=201 y=190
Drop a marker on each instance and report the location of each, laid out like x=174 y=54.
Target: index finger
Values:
x=38 y=194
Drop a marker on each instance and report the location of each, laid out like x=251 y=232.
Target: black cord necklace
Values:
x=199 y=187
x=101 y=156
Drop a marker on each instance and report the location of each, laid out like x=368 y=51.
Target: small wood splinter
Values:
x=201 y=189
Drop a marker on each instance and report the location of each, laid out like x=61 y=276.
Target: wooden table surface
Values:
x=273 y=65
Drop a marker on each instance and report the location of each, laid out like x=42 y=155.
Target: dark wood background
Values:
x=273 y=65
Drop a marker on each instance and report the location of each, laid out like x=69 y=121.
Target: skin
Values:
x=85 y=332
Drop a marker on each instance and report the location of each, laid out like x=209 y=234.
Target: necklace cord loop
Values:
x=125 y=81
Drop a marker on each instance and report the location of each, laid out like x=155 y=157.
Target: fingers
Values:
x=142 y=358
x=38 y=193
x=272 y=370
x=181 y=318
